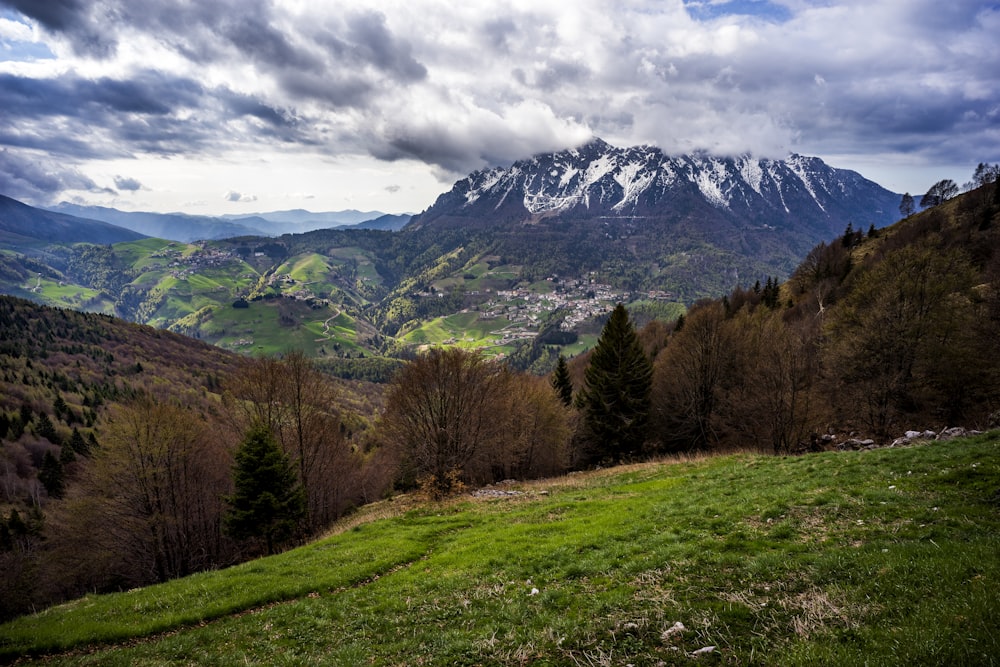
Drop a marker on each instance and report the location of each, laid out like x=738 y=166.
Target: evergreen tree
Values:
x=46 y=429
x=267 y=500
x=66 y=455
x=561 y=382
x=616 y=393
x=847 y=240
x=51 y=475
x=77 y=444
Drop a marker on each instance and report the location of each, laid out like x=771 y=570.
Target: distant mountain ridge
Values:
x=20 y=224
x=187 y=228
x=600 y=181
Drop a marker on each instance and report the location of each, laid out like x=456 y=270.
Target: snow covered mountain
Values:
x=664 y=220
x=598 y=180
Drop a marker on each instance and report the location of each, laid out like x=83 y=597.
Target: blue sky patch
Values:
x=18 y=50
x=706 y=10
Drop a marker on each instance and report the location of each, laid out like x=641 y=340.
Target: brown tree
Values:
x=299 y=404
x=887 y=339
x=535 y=434
x=688 y=381
x=442 y=410
x=767 y=401
x=149 y=506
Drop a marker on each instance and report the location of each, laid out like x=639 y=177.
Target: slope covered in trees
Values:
x=878 y=334
x=117 y=447
x=118 y=440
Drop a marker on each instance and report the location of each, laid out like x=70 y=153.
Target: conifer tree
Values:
x=267 y=500
x=51 y=475
x=561 y=382
x=46 y=429
x=77 y=444
x=616 y=394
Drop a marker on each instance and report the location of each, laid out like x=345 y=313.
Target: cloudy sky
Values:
x=235 y=106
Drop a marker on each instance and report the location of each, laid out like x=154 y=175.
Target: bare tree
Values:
x=150 y=501
x=442 y=410
x=299 y=404
x=688 y=379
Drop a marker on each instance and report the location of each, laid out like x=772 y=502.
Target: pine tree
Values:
x=616 y=393
x=77 y=444
x=46 y=429
x=561 y=382
x=267 y=500
x=51 y=475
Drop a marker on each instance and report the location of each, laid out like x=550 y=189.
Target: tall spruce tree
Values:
x=561 y=382
x=267 y=500
x=616 y=393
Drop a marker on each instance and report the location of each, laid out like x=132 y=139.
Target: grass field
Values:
x=885 y=557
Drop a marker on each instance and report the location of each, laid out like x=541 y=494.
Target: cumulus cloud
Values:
x=461 y=87
x=127 y=184
x=234 y=196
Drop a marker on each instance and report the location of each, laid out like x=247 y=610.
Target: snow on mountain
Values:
x=598 y=179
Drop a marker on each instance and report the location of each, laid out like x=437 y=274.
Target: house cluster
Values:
x=181 y=266
x=581 y=299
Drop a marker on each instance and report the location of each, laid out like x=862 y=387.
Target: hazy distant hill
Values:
x=20 y=224
x=387 y=222
x=172 y=226
x=324 y=219
x=187 y=228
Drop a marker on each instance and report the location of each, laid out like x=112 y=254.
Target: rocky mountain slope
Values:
x=692 y=224
x=600 y=181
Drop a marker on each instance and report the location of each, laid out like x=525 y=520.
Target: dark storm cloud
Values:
x=374 y=44
x=147 y=92
x=37 y=178
x=53 y=14
x=248 y=105
x=264 y=44
x=147 y=113
x=71 y=18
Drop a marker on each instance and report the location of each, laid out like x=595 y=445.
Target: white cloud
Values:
x=456 y=87
x=233 y=196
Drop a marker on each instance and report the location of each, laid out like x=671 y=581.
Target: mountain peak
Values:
x=598 y=181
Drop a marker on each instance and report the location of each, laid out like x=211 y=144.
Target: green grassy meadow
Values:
x=883 y=557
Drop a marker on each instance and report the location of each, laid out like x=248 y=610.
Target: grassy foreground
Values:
x=882 y=557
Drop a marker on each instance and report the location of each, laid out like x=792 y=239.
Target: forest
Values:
x=132 y=455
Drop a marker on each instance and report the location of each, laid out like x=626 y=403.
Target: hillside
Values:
x=71 y=384
x=694 y=225
x=880 y=557
x=512 y=260
x=22 y=225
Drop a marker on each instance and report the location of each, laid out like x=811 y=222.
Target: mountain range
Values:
x=659 y=210
x=186 y=228
x=506 y=256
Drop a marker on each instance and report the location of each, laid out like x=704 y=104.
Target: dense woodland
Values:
x=131 y=455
